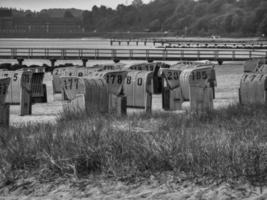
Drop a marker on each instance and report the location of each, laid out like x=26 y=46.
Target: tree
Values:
x=216 y=6
x=263 y=26
x=202 y=17
x=200 y=9
x=228 y=23
x=29 y=15
x=137 y=3
x=237 y=22
x=87 y=20
x=154 y=25
x=68 y=14
x=249 y=27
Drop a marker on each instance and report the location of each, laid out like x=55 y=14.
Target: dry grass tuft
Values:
x=226 y=144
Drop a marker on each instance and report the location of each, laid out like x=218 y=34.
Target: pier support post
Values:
x=53 y=61
x=84 y=60
x=26 y=94
x=220 y=61
x=116 y=60
x=20 y=60
x=150 y=60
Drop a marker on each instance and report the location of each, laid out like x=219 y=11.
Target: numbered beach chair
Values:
x=156 y=69
x=253 y=65
x=197 y=84
x=86 y=94
x=74 y=90
x=31 y=86
x=113 y=66
x=39 y=93
x=4 y=107
x=14 y=89
x=172 y=98
x=253 y=89
x=138 y=88
x=57 y=73
x=117 y=98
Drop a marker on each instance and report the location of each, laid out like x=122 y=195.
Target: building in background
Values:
x=6 y=20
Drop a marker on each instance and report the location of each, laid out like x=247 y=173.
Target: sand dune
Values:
x=164 y=187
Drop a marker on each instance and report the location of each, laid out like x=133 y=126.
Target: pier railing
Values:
x=130 y=54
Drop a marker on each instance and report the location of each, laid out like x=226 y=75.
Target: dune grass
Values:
x=230 y=143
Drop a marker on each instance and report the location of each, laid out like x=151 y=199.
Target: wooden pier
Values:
x=162 y=54
x=189 y=43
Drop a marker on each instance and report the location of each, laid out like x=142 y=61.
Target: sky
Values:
x=45 y=4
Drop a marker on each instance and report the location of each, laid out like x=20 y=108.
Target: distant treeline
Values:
x=183 y=17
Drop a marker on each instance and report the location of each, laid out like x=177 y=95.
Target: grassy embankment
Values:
x=230 y=143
